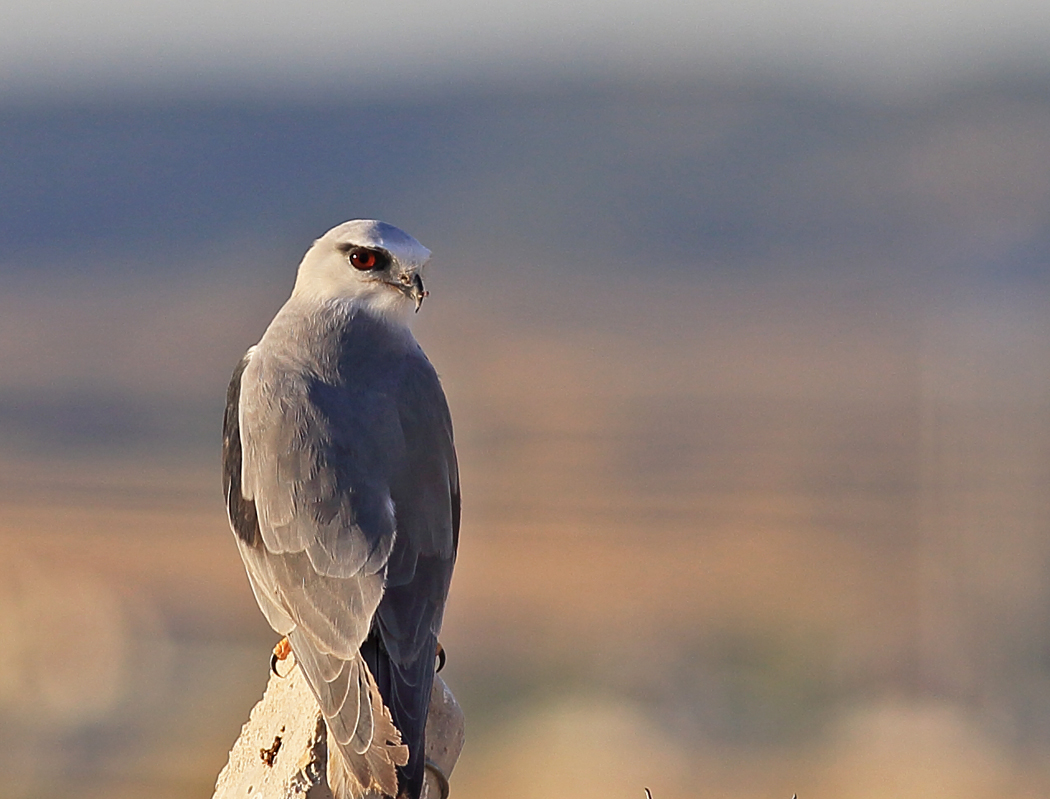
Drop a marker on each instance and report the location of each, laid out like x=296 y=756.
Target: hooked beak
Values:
x=411 y=285
x=416 y=291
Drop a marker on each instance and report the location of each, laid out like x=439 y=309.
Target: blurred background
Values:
x=742 y=311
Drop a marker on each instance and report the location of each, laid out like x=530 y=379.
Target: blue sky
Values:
x=70 y=45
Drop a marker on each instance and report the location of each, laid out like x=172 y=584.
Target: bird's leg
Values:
x=280 y=652
x=440 y=657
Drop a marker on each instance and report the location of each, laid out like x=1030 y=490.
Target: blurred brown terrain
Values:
x=769 y=520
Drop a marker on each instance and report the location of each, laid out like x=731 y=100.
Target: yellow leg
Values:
x=280 y=652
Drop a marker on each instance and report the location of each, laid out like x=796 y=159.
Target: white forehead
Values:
x=373 y=233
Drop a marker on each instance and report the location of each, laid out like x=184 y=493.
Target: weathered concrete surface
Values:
x=282 y=751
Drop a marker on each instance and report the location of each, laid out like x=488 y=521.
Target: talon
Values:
x=280 y=652
x=441 y=657
x=439 y=775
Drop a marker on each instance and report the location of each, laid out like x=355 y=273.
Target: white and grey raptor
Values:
x=342 y=488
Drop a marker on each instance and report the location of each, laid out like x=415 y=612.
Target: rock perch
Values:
x=282 y=751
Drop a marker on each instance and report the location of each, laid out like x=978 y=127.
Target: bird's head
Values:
x=372 y=263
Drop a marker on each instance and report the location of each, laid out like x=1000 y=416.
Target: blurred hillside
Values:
x=126 y=218
x=750 y=387
x=718 y=171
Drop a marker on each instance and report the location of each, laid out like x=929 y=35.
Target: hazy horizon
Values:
x=888 y=47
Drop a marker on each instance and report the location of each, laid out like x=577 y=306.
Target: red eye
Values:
x=363 y=259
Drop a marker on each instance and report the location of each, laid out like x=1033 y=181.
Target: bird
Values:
x=342 y=490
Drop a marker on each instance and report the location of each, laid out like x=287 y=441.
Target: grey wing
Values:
x=424 y=491
x=317 y=575
x=426 y=498
x=313 y=546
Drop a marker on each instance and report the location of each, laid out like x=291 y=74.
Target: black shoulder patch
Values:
x=241 y=511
